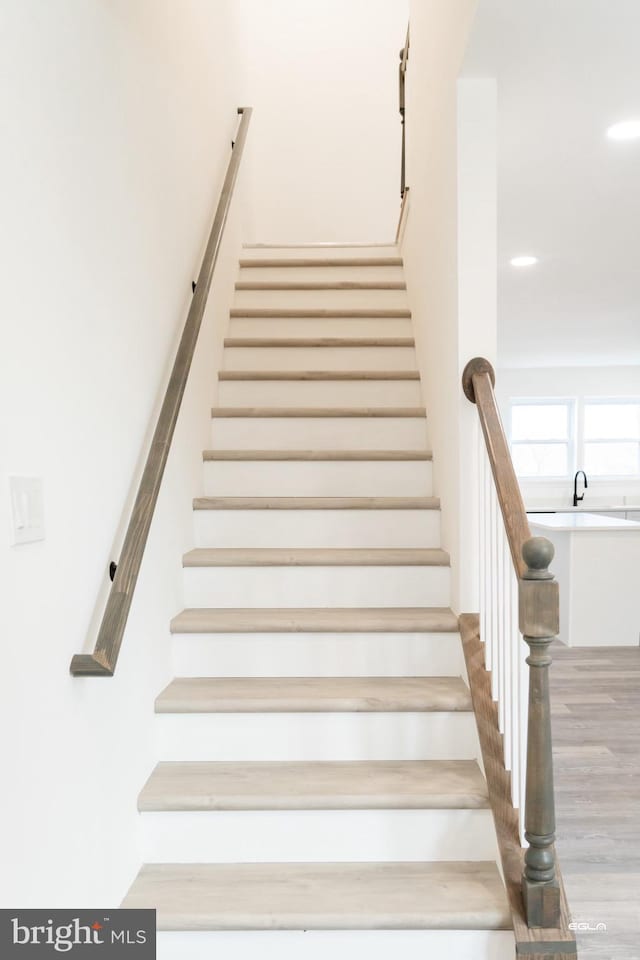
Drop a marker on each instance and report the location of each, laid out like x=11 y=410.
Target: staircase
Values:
x=318 y=786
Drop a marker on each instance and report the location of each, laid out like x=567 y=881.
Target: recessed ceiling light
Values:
x=527 y=261
x=627 y=130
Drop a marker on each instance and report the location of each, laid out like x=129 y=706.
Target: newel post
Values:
x=539 y=625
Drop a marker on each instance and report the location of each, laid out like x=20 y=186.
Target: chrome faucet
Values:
x=576 y=498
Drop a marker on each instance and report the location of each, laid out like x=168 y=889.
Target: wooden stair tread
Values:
x=323 y=896
x=315 y=620
x=319 y=313
x=325 y=262
x=316 y=503
x=351 y=342
x=321 y=245
x=321 y=285
x=314 y=695
x=319 y=412
x=318 y=375
x=325 y=785
x=313 y=557
x=367 y=455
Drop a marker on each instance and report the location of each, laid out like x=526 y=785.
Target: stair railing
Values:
x=102 y=662
x=519 y=601
x=404 y=58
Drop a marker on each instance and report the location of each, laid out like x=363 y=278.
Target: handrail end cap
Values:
x=86 y=665
x=476 y=366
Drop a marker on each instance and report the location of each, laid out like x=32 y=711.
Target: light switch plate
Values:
x=27 y=509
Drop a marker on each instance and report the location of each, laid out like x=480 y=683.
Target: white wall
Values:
x=323 y=77
x=477 y=299
x=430 y=247
x=116 y=122
x=577 y=383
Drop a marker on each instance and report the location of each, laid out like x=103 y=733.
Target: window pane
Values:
x=606 y=421
x=612 y=459
x=539 y=421
x=540 y=459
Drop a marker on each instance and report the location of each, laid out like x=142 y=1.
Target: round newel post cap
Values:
x=475 y=366
x=537 y=553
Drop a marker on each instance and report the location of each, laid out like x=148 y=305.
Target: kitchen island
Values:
x=597 y=565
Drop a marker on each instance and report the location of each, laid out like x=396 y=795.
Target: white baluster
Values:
x=499 y=579
x=524 y=725
x=508 y=639
x=482 y=536
x=487 y=567
x=516 y=745
x=495 y=657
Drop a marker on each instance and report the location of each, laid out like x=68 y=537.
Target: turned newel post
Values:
x=539 y=625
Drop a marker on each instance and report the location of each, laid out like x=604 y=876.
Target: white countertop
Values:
x=591 y=508
x=578 y=521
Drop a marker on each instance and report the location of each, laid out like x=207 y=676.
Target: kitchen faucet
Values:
x=576 y=498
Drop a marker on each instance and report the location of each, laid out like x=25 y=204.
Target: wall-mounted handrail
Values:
x=102 y=662
x=538 y=620
x=404 y=58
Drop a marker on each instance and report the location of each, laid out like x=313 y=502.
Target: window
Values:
x=542 y=437
x=552 y=437
x=612 y=438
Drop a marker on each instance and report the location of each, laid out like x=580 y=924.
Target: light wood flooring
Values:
x=595 y=694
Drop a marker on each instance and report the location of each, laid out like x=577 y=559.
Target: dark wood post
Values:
x=539 y=625
x=401 y=73
x=402 y=70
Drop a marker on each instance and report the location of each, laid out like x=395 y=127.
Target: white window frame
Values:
x=608 y=401
x=571 y=404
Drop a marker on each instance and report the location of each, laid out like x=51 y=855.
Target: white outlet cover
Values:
x=27 y=509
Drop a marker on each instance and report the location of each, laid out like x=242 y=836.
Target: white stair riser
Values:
x=317 y=736
x=321 y=274
x=330 y=586
x=318 y=655
x=322 y=299
x=337 y=944
x=319 y=251
x=322 y=327
x=319 y=358
x=319 y=393
x=317 y=528
x=316 y=835
x=318 y=478
x=319 y=433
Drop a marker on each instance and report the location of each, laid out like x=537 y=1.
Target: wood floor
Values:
x=596 y=729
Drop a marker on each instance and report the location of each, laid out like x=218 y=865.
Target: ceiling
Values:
x=566 y=70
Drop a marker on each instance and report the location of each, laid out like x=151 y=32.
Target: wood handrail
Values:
x=539 y=623
x=102 y=662
x=478 y=381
